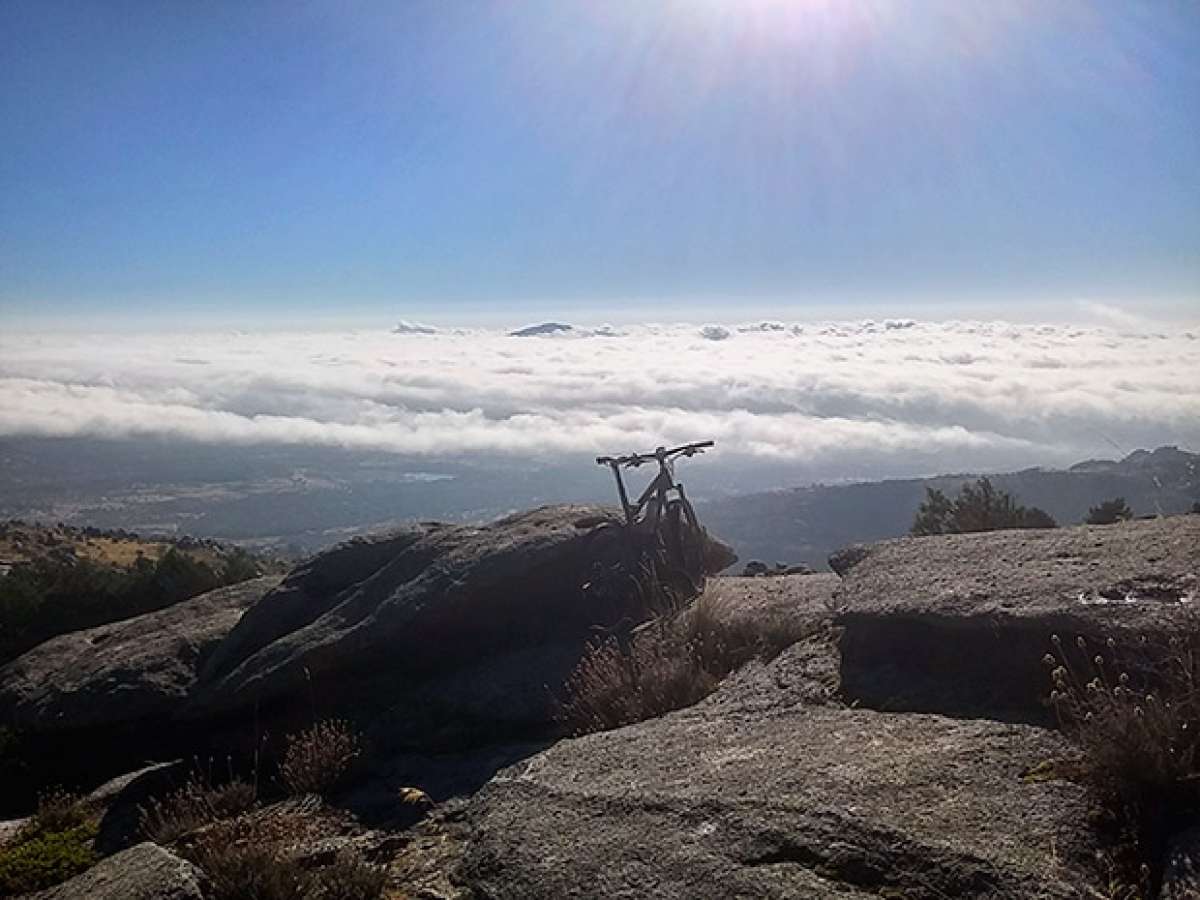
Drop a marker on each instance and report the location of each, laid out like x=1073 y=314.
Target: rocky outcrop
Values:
x=432 y=602
x=843 y=560
x=830 y=771
x=144 y=872
x=121 y=672
x=118 y=802
x=458 y=628
x=756 y=568
x=959 y=623
x=754 y=793
x=312 y=589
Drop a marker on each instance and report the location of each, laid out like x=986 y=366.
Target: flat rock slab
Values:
x=144 y=872
x=807 y=597
x=799 y=802
x=124 y=671
x=959 y=623
x=806 y=673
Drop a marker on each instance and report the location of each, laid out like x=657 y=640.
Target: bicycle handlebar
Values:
x=662 y=453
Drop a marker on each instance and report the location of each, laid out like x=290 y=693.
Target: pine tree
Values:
x=1108 y=512
x=978 y=507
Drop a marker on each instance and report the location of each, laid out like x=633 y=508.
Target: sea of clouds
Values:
x=1016 y=394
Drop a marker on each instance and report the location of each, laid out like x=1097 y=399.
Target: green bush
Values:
x=978 y=507
x=57 y=810
x=39 y=859
x=1109 y=512
x=239 y=566
x=41 y=599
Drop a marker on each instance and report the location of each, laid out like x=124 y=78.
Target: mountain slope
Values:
x=807 y=524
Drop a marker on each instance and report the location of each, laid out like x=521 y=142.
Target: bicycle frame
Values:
x=654 y=497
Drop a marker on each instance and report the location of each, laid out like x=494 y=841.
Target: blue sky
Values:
x=233 y=161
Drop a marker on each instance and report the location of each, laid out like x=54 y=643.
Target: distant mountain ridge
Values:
x=807 y=524
x=543 y=328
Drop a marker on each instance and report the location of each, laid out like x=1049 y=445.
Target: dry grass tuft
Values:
x=1135 y=713
x=57 y=810
x=262 y=873
x=351 y=877
x=670 y=664
x=198 y=803
x=724 y=640
x=253 y=856
x=318 y=758
x=237 y=872
x=615 y=684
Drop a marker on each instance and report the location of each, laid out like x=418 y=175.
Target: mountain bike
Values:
x=661 y=524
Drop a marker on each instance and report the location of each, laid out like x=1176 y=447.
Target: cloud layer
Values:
x=1006 y=393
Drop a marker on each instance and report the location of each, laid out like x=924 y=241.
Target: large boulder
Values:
x=432 y=602
x=959 y=623
x=144 y=872
x=119 y=801
x=481 y=617
x=758 y=793
x=312 y=588
x=430 y=636
x=136 y=669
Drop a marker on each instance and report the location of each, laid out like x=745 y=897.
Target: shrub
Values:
x=40 y=859
x=350 y=877
x=978 y=507
x=194 y=805
x=57 y=810
x=317 y=759
x=240 y=871
x=673 y=663
x=247 y=858
x=615 y=684
x=1135 y=713
x=239 y=566
x=54 y=845
x=47 y=597
x=1109 y=512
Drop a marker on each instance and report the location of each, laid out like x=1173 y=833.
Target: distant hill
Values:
x=543 y=328
x=59 y=578
x=807 y=524
x=28 y=542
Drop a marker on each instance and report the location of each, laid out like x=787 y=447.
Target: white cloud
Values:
x=818 y=393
